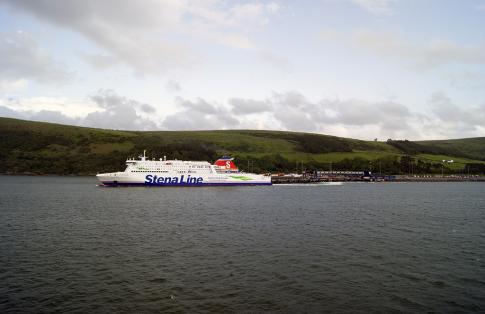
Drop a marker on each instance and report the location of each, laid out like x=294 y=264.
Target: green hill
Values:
x=46 y=148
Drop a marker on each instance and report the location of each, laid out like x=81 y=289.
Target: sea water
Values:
x=67 y=245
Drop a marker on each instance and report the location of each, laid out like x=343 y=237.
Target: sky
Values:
x=366 y=69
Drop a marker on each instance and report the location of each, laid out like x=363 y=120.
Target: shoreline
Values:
x=310 y=180
x=395 y=178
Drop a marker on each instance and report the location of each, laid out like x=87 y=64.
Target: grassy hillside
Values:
x=46 y=148
x=473 y=148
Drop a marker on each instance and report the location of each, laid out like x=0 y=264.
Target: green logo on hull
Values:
x=243 y=178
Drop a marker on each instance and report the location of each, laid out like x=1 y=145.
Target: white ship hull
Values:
x=155 y=179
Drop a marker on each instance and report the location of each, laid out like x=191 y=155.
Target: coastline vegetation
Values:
x=28 y=147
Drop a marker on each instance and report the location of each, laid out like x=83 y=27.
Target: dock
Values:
x=353 y=176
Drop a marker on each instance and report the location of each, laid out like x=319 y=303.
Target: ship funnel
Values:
x=226 y=163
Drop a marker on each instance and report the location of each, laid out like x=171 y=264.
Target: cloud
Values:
x=148 y=37
x=349 y=118
x=173 y=86
x=99 y=61
x=423 y=56
x=275 y=60
x=358 y=112
x=466 y=79
x=243 y=16
x=119 y=27
x=293 y=111
x=433 y=54
x=13 y=85
x=200 y=115
x=23 y=59
x=10 y=113
x=376 y=7
x=252 y=13
x=451 y=118
x=119 y=113
x=54 y=117
x=146 y=108
x=69 y=107
x=43 y=115
x=248 y=106
x=231 y=26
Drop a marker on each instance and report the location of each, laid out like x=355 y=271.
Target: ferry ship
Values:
x=163 y=172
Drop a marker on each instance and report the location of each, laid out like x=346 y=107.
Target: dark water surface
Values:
x=69 y=246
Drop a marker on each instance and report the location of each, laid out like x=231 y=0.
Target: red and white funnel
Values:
x=226 y=163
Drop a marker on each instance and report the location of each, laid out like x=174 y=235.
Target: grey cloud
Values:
x=173 y=86
x=10 y=113
x=357 y=112
x=43 y=115
x=443 y=108
x=54 y=117
x=21 y=57
x=147 y=108
x=108 y=99
x=119 y=113
x=248 y=106
x=200 y=106
x=294 y=111
x=200 y=115
x=449 y=113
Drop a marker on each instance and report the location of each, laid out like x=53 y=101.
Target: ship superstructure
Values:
x=163 y=172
